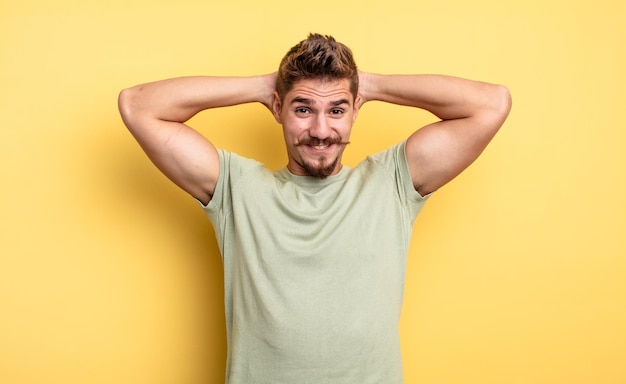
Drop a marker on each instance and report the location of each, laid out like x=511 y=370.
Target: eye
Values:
x=302 y=110
x=336 y=111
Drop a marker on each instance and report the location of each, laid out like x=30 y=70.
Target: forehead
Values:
x=320 y=91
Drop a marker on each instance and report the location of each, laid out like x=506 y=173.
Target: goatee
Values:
x=321 y=169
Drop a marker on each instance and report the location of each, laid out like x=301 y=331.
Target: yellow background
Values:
x=110 y=274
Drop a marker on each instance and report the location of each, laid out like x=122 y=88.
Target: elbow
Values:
x=502 y=101
x=496 y=111
x=498 y=107
x=124 y=102
x=127 y=105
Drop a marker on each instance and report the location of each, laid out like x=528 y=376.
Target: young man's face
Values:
x=317 y=118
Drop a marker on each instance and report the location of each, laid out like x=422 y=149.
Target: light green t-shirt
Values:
x=314 y=269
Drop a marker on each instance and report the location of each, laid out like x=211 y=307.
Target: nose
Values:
x=320 y=129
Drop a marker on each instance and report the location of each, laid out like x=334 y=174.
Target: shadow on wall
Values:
x=165 y=236
x=160 y=227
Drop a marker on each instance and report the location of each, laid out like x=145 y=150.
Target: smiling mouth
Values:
x=321 y=145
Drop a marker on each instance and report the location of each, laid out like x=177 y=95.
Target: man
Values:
x=314 y=254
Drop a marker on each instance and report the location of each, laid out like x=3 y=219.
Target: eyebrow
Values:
x=340 y=101
x=304 y=100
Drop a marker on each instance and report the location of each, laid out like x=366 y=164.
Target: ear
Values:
x=276 y=107
x=358 y=102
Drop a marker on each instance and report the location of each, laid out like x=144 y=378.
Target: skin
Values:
x=317 y=118
x=314 y=114
x=471 y=113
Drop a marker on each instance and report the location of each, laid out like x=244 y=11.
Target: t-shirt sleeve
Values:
x=232 y=169
x=395 y=162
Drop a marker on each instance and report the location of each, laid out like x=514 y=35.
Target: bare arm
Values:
x=471 y=113
x=155 y=114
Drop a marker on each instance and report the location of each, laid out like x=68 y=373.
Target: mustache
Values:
x=311 y=141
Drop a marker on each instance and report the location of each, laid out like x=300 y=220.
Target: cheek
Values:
x=345 y=127
x=294 y=127
x=291 y=133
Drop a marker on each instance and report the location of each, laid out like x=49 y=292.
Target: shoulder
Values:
x=233 y=165
x=391 y=157
x=233 y=169
x=393 y=163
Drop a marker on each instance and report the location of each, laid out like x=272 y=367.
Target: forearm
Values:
x=180 y=99
x=446 y=97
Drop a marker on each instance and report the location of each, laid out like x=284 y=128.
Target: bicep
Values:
x=439 y=152
x=182 y=154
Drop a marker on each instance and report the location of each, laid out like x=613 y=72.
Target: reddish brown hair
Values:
x=317 y=57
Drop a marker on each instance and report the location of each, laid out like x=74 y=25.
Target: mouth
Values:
x=320 y=147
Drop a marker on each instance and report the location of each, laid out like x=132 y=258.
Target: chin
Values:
x=321 y=171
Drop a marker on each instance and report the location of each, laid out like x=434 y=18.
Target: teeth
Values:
x=320 y=147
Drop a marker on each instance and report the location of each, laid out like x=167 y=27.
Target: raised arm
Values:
x=471 y=113
x=155 y=114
